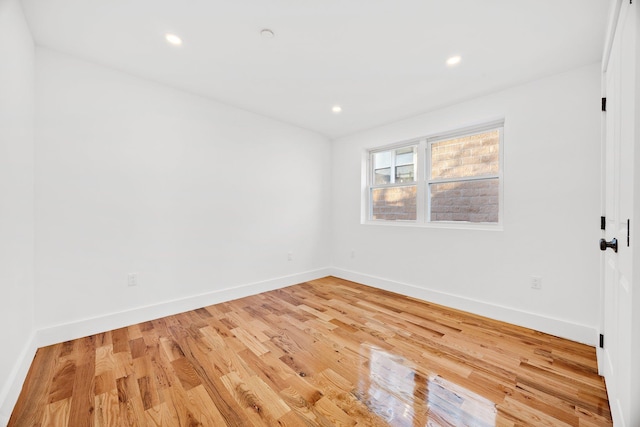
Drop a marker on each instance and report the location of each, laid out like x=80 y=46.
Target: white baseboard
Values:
x=11 y=389
x=616 y=407
x=558 y=327
x=95 y=325
x=89 y=326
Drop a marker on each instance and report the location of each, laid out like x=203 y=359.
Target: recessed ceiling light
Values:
x=267 y=33
x=173 y=39
x=336 y=109
x=454 y=60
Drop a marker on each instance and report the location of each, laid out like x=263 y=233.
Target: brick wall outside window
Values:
x=394 y=203
x=472 y=201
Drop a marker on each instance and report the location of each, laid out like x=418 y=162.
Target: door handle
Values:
x=613 y=244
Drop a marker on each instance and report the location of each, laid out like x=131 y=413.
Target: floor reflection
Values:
x=404 y=398
x=453 y=405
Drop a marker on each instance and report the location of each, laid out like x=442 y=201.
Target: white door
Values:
x=618 y=172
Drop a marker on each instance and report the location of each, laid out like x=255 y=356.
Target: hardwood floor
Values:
x=323 y=353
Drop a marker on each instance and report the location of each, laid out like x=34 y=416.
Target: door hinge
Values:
x=604 y=104
x=601 y=341
x=603 y=223
x=628 y=231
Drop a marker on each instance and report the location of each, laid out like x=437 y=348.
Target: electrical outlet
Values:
x=536 y=282
x=132 y=279
x=290 y=256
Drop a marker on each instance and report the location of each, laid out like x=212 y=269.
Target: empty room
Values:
x=319 y=213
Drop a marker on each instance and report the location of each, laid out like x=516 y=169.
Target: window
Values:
x=464 y=179
x=393 y=189
x=454 y=177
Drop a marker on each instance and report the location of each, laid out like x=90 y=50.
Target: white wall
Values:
x=16 y=196
x=194 y=196
x=551 y=213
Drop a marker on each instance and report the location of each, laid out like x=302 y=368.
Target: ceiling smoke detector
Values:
x=267 y=33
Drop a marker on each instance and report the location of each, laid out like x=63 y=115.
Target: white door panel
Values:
x=618 y=175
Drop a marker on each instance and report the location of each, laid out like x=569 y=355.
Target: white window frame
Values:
x=423 y=180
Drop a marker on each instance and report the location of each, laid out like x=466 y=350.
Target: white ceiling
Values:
x=381 y=60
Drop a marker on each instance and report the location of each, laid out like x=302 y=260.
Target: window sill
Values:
x=451 y=225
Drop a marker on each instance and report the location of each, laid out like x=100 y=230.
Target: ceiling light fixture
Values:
x=336 y=109
x=267 y=33
x=173 y=39
x=454 y=60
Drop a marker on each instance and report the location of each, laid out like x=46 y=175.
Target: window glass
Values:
x=473 y=155
x=382 y=167
x=405 y=167
x=382 y=160
x=405 y=173
x=394 y=203
x=383 y=176
x=471 y=201
x=404 y=156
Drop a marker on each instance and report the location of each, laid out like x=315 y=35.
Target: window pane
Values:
x=382 y=176
x=472 y=201
x=382 y=160
x=394 y=203
x=472 y=155
x=404 y=156
x=405 y=174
